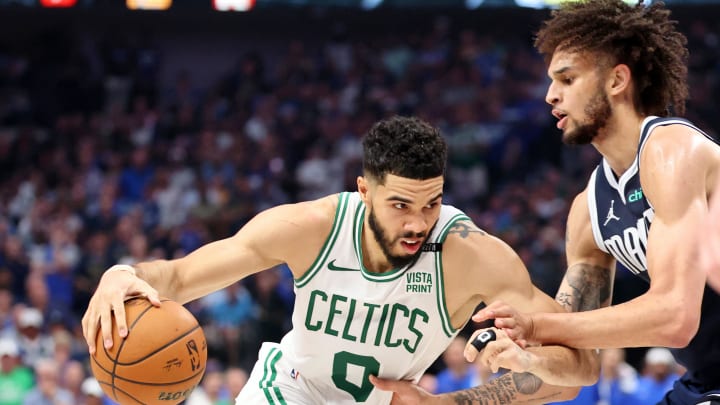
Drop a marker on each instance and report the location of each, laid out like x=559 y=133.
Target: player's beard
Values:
x=598 y=112
x=397 y=261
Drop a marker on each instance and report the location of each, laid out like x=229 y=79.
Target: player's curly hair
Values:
x=643 y=38
x=406 y=147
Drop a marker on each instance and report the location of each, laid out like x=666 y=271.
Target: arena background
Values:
x=127 y=135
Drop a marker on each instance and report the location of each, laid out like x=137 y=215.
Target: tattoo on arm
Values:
x=590 y=288
x=503 y=390
x=464 y=228
x=526 y=383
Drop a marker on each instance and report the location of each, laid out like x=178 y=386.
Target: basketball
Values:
x=160 y=361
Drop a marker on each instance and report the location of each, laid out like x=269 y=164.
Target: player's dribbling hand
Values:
x=114 y=288
x=404 y=392
x=518 y=326
x=502 y=352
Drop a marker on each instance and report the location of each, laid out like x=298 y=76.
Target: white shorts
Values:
x=274 y=382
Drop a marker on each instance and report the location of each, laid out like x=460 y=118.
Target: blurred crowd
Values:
x=100 y=163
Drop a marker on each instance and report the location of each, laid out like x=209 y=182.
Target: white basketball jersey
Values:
x=349 y=323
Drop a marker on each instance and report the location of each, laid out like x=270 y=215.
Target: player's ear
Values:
x=619 y=80
x=363 y=188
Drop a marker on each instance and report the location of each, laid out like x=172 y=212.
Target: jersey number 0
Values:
x=370 y=366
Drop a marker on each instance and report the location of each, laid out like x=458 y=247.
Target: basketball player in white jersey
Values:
x=616 y=69
x=709 y=241
x=385 y=277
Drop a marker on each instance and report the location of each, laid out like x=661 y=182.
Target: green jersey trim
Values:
x=329 y=242
x=440 y=291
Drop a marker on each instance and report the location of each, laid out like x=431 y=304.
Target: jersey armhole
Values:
x=440 y=289
x=329 y=242
x=592 y=208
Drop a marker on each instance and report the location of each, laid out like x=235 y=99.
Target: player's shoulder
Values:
x=579 y=208
x=468 y=243
x=675 y=140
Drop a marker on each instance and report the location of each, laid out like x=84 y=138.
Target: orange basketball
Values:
x=160 y=361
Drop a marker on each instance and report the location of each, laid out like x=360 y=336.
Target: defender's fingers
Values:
x=505 y=323
x=497 y=308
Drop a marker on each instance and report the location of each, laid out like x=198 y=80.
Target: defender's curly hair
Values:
x=643 y=38
x=406 y=147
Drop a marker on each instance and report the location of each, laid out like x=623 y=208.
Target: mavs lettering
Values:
x=629 y=248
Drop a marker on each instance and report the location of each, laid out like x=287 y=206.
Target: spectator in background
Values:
x=657 y=377
x=16 y=380
x=458 y=374
x=48 y=390
x=428 y=382
x=72 y=377
x=618 y=379
x=14 y=265
x=229 y=314
x=209 y=392
x=617 y=384
x=235 y=378
x=93 y=393
x=6 y=314
x=33 y=342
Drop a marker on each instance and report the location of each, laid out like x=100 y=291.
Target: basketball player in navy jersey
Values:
x=616 y=70
x=709 y=240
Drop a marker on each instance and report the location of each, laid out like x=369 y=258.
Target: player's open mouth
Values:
x=562 y=118
x=411 y=246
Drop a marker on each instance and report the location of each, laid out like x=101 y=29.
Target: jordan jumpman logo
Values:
x=611 y=213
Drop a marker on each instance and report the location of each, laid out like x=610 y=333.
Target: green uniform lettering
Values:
x=311 y=310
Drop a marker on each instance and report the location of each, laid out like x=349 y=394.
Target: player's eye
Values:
x=400 y=206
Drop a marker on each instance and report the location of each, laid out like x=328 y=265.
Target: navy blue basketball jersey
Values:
x=621 y=217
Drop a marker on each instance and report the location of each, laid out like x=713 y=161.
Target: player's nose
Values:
x=416 y=224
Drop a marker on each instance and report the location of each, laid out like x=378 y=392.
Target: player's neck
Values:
x=618 y=141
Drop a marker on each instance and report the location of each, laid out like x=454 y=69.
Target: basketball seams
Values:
x=123 y=392
x=159 y=349
x=123 y=381
x=122 y=343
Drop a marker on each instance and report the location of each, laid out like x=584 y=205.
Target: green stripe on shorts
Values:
x=269 y=375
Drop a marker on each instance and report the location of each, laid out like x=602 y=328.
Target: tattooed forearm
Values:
x=464 y=229
x=504 y=390
x=499 y=391
x=590 y=288
x=526 y=383
x=565 y=300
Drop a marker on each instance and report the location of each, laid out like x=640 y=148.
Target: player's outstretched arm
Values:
x=674 y=180
x=587 y=283
x=491 y=271
x=270 y=238
x=509 y=388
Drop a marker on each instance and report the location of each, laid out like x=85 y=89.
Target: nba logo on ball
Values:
x=161 y=360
